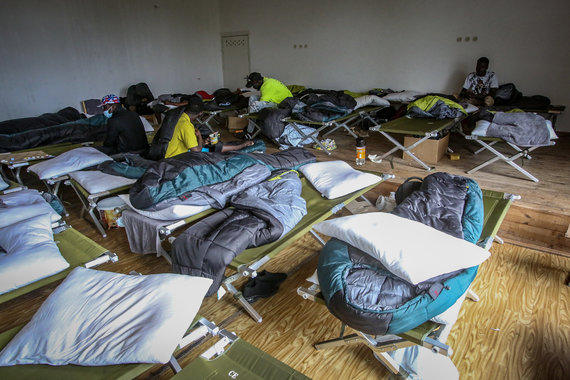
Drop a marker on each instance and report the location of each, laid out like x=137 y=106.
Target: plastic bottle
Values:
x=360 y=151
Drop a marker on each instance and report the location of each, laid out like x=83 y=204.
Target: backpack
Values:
x=507 y=94
x=164 y=134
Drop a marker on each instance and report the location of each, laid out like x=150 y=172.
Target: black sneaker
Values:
x=254 y=290
x=276 y=278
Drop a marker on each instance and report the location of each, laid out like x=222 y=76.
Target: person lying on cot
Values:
x=185 y=136
x=125 y=130
x=480 y=86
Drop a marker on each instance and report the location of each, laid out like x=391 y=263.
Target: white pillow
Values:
x=95 y=181
x=480 y=128
x=470 y=108
x=175 y=212
x=403 y=96
x=368 y=100
x=97 y=318
x=70 y=161
x=409 y=249
x=24 y=204
x=334 y=179
x=31 y=254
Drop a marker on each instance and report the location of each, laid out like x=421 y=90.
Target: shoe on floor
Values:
x=277 y=278
x=255 y=289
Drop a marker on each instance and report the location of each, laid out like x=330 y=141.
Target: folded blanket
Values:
x=520 y=128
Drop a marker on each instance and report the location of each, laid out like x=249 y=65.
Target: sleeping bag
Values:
x=181 y=174
x=261 y=214
x=365 y=295
x=77 y=131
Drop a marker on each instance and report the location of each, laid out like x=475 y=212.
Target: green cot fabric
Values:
x=496 y=208
x=76 y=248
x=240 y=361
x=416 y=126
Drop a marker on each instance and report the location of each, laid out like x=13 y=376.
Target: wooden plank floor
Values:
x=519 y=330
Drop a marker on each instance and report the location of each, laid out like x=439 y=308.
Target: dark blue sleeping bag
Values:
x=362 y=293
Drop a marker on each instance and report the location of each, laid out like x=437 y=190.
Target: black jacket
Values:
x=125 y=133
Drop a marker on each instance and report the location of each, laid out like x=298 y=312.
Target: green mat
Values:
x=496 y=208
x=240 y=361
x=76 y=248
x=417 y=126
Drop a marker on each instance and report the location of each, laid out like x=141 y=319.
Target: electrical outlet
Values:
x=459 y=39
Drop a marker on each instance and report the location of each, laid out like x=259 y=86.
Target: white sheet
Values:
x=171 y=213
x=70 y=161
x=97 y=318
x=95 y=181
x=31 y=254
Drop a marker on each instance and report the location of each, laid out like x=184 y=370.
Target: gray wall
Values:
x=56 y=53
x=407 y=44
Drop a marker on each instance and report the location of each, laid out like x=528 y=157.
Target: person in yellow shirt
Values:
x=271 y=89
x=185 y=136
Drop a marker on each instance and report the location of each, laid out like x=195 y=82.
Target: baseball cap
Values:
x=253 y=77
x=109 y=99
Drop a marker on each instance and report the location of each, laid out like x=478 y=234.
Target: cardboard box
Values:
x=430 y=151
x=236 y=123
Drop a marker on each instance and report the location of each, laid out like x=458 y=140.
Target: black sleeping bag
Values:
x=65 y=115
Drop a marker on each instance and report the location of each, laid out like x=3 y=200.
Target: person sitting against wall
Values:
x=480 y=86
x=125 y=130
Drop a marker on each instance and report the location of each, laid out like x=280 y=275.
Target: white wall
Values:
x=407 y=44
x=55 y=53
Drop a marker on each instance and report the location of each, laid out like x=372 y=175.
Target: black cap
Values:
x=253 y=77
x=194 y=105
